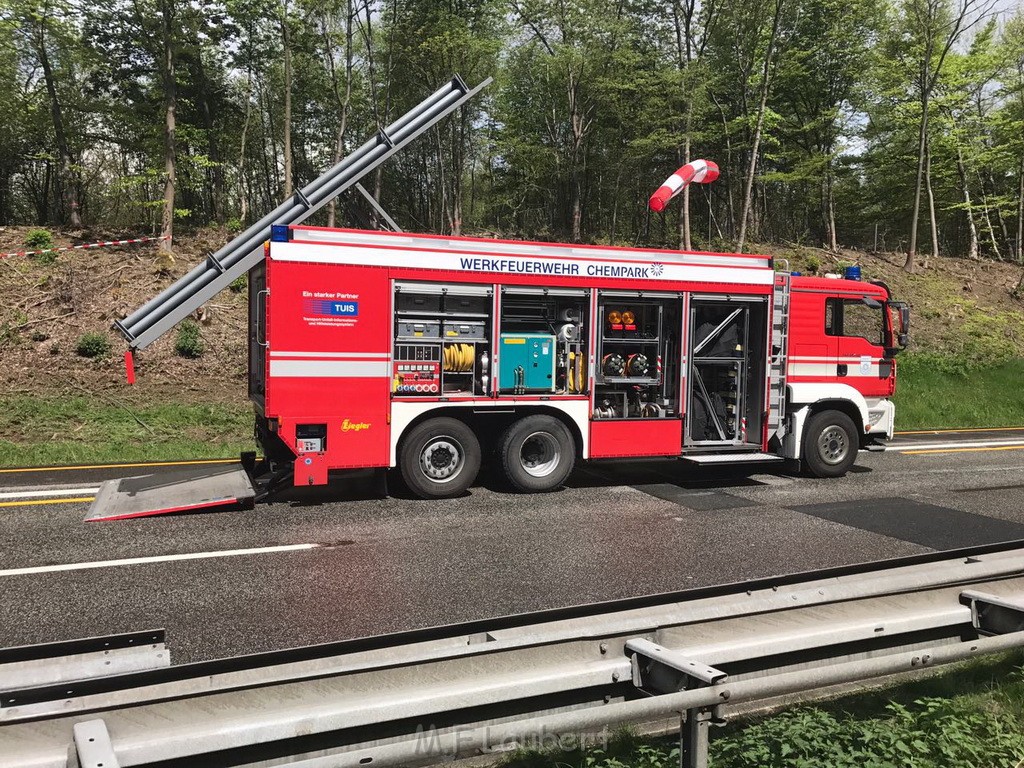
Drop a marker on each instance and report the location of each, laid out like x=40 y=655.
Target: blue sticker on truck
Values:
x=327 y=308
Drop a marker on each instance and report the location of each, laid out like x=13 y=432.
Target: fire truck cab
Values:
x=433 y=354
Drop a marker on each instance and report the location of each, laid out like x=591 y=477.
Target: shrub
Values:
x=39 y=336
x=189 y=343
x=239 y=284
x=93 y=345
x=234 y=225
x=813 y=265
x=39 y=239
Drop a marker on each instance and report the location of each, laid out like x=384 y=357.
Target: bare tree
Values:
x=168 y=23
x=938 y=26
x=766 y=77
x=286 y=40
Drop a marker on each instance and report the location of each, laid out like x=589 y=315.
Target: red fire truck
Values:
x=433 y=354
x=379 y=350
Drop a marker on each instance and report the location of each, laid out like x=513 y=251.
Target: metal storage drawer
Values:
x=418 y=302
x=418 y=329
x=465 y=330
x=476 y=305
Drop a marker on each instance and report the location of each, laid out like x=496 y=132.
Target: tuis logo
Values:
x=354 y=426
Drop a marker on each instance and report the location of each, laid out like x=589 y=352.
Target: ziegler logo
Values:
x=353 y=426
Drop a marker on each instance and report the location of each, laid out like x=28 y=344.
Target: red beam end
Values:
x=129 y=366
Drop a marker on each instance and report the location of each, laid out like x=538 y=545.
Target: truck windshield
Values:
x=853 y=317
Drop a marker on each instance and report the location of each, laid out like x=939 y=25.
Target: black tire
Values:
x=830 y=444
x=537 y=454
x=439 y=458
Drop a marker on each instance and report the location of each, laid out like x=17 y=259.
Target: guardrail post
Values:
x=693 y=738
x=93 y=747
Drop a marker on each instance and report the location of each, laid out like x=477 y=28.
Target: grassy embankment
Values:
x=972 y=716
x=38 y=431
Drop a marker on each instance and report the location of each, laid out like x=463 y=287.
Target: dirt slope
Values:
x=45 y=309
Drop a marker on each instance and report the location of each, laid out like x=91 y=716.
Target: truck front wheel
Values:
x=537 y=454
x=830 y=444
x=439 y=458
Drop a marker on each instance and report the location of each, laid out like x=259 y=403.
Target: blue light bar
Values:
x=279 y=233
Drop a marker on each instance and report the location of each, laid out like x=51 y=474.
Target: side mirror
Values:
x=903 y=339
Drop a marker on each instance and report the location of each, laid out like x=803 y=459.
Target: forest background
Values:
x=882 y=124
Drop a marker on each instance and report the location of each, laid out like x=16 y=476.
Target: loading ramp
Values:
x=162 y=493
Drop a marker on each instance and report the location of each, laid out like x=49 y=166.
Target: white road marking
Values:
x=963 y=444
x=49 y=494
x=155 y=559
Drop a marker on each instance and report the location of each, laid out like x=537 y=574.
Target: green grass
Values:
x=970 y=716
x=934 y=391
x=40 y=431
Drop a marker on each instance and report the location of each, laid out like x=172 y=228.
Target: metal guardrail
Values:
x=422 y=696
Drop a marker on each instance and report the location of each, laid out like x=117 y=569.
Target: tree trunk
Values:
x=988 y=223
x=167 y=22
x=1020 y=211
x=68 y=176
x=972 y=251
x=343 y=103
x=908 y=265
x=287 y=42
x=830 y=209
x=242 y=185
x=684 y=220
x=931 y=204
x=759 y=126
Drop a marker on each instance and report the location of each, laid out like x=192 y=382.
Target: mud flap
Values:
x=178 y=491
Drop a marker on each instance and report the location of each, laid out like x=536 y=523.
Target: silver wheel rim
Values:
x=540 y=454
x=833 y=445
x=442 y=459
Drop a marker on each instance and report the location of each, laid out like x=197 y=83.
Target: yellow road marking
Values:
x=48 y=501
x=966 y=429
x=120 y=466
x=967 y=450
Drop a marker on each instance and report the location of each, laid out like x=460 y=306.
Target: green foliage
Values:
x=39 y=239
x=929 y=733
x=93 y=345
x=239 y=284
x=189 y=343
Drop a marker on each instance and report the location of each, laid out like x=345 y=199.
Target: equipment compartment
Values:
x=544 y=340
x=726 y=371
x=638 y=343
x=456 y=318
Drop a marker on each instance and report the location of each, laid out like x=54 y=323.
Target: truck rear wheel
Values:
x=830 y=444
x=537 y=454
x=439 y=458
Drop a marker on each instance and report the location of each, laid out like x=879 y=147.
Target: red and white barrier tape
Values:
x=84 y=246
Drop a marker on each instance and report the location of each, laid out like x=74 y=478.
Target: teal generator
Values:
x=527 y=362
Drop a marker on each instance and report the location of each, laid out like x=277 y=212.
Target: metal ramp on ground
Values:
x=157 y=316
x=177 y=491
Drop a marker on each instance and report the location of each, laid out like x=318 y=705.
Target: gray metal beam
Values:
x=157 y=316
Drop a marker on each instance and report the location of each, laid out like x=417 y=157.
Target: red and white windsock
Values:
x=697 y=172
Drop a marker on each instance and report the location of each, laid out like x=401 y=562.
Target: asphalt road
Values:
x=313 y=570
